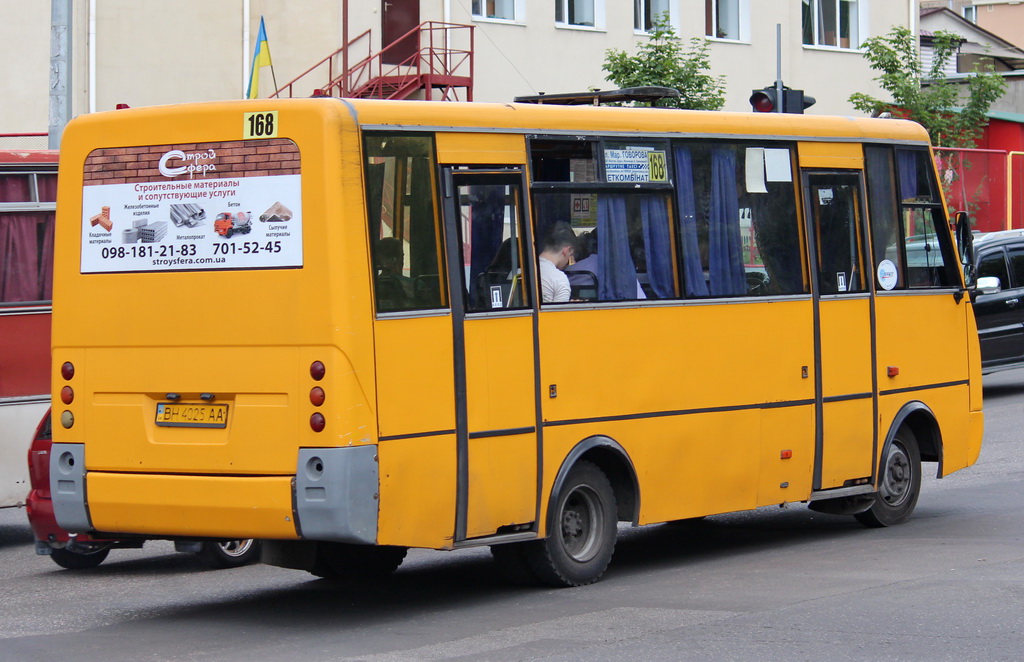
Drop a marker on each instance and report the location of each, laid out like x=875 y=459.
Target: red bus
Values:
x=28 y=193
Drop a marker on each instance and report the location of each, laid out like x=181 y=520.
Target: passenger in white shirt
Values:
x=558 y=249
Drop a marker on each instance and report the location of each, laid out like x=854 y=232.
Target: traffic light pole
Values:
x=778 y=69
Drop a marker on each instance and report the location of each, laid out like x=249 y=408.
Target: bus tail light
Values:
x=317 y=370
x=317 y=396
x=317 y=422
x=67 y=395
x=67 y=371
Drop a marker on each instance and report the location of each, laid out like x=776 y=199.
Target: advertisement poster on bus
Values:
x=225 y=205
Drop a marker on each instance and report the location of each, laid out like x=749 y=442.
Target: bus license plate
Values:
x=188 y=415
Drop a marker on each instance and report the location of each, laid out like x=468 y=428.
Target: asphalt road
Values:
x=772 y=584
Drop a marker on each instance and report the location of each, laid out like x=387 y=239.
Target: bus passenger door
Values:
x=843 y=333
x=495 y=358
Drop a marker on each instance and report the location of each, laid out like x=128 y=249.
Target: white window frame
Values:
x=597 y=11
x=640 y=12
x=970 y=13
x=861 y=24
x=741 y=22
x=518 y=12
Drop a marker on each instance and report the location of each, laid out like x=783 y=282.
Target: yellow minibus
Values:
x=351 y=327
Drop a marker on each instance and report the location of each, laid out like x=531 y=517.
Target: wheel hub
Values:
x=896 y=482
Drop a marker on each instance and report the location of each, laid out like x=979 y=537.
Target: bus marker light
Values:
x=67 y=371
x=317 y=422
x=317 y=370
x=892 y=371
x=317 y=396
x=67 y=395
x=67 y=419
x=786 y=454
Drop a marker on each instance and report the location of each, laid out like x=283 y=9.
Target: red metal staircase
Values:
x=437 y=69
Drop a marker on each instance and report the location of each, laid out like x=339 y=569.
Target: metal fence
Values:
x=16 y=141
x=976 y=181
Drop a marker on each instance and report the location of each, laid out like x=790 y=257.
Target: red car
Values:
x=84 y=551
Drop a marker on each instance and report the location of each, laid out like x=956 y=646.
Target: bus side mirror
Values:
x=965 y=245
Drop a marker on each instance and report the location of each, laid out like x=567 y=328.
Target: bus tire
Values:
x=230 y=553
x=345 y=562
x=900 y=484
x=581 y=536
x=75 y=560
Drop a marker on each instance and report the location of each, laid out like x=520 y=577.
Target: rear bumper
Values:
x=223 y=507
x=333 y=496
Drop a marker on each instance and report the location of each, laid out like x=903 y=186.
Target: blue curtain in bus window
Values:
x=616 y=280
x=657 y=246
x=693 y=270
x=906 y=163
x=725 y=245
x=487 y=214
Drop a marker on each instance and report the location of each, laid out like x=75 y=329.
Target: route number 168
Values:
x=260 y=125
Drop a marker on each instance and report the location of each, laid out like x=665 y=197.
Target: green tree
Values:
x=663 y=61
x=929 y=99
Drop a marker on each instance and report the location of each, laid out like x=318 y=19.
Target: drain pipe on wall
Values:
x=92 y=56
x=912 y=9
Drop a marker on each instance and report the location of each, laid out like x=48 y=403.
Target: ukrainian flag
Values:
x=260 y=58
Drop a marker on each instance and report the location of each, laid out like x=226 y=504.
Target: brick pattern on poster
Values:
x=231 y=159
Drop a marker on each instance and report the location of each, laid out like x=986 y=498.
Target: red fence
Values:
x=974 y=180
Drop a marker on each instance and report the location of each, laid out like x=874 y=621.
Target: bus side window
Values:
x=490 y=222
x=26 y=236
x=929 y=249
x=883 y=213
x=403 y=222
x=738 y=224
x=836 y=217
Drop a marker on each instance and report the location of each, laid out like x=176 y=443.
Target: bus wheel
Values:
x=341 y=561
x=75 y=560
x=582 y=536
x=230 y=553
x=900 y=485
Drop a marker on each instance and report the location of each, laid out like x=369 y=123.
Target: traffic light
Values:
x=796 y=101
x=767 y=100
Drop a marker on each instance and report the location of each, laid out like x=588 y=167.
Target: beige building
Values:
x=145 y=52
x=1002 y=17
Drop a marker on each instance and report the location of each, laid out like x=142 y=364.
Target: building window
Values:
x=579 y=13
x=727 y=19
x=645 y=12
x=970 y=13
x=832 y=23
x=499 y=9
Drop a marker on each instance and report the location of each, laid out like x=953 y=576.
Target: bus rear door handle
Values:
x=1012 y=303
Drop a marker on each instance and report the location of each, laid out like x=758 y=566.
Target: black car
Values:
x=999 y=301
